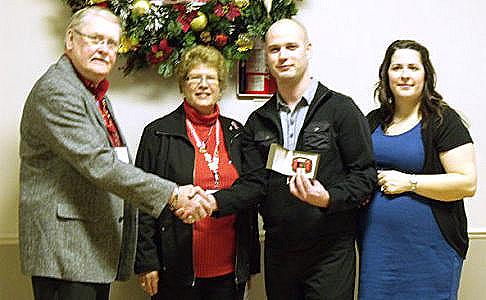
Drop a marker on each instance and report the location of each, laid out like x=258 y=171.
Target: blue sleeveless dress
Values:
x=403 y=254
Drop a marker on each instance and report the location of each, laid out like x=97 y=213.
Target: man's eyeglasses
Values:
x=99 y=40
x=195 y=81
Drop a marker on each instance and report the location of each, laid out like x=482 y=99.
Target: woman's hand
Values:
x=394 y=182
x=149 y=282
x=458 y=181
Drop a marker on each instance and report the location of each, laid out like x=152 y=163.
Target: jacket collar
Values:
x=176 y=121
x=65 y=66
x=308 y=95
x=320 y=97
x=269 y=111
x=69 y=74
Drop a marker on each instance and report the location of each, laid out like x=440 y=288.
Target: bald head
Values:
x=287 y=50
x=287 y=25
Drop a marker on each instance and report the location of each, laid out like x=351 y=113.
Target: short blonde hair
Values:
x=202 y=55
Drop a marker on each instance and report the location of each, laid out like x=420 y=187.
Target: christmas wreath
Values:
x=157 y=32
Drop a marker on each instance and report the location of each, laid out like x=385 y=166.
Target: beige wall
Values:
x=349 y=38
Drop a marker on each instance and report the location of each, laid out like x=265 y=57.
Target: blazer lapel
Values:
x=71 y=75
x=90 y=100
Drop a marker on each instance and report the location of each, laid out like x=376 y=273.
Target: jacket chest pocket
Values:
x=263 y=140
x=317 y=136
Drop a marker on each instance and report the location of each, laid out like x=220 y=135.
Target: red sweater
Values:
x=214 y=240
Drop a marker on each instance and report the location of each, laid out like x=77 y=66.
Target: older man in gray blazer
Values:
x=77 y=234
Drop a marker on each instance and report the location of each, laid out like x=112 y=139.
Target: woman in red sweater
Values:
x=214 y=257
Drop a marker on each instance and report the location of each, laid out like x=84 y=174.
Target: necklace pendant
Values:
x=203 y=150
x=212 y=165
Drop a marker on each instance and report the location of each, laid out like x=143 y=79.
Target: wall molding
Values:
x=9 y=239
x=13 y=239
x=477 y=235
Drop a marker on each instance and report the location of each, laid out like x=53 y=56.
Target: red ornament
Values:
x=220 y=40
x=160 y=52
x=102 y=4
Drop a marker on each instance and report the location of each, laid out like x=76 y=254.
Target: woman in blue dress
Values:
x=413 y=234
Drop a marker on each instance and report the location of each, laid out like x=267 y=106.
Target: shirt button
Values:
x=164 y=268
x=163 y=228
x=120 y=219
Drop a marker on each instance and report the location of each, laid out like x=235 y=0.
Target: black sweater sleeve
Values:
x=250 y=187
x=354 y=143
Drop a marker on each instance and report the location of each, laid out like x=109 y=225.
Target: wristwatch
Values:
x=413 y=182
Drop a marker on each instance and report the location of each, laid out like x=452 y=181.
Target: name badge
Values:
x=122 y=154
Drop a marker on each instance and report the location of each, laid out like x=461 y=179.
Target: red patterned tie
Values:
x=110 y=125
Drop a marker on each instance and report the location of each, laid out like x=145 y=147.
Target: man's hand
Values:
x=309 y=190
x=208 y=201
x=193 y=203
x=149 y=282
x=212 y=202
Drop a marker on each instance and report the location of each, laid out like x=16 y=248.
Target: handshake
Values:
x=190 y=203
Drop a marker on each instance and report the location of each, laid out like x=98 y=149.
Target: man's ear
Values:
x=69 y=39
x=308 y=50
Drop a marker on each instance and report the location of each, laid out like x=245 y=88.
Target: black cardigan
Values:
x=165 y=244
x=439 y=137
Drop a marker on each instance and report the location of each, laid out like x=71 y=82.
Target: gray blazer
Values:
x=73 y=223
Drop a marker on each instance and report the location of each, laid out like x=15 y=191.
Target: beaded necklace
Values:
x=211 y=160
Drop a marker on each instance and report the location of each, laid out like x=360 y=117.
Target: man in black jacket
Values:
x=310 y=224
